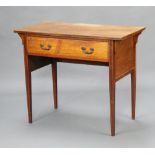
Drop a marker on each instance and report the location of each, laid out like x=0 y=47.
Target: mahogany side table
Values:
x=112 y=46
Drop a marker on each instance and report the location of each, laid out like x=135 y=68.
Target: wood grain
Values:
x=34 y=45
x=54 y=76
x=73 y=49
x=81 y=31
x=112 y=83
x=124 y=57
x=133 y=82
x=112 y=46
x=133 y=93
x=28 y=81
x=69 y=49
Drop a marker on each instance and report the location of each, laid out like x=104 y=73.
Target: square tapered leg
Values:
x=54 y=75
x=133 y=93
x=28 y=86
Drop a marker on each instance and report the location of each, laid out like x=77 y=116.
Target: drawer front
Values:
x=41 y=46
x=69 y=49
x=84 y=50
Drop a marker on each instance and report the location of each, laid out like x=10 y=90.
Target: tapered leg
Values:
x=133 y=92
x=28 y=87
x=112 y=103
x=54 y=75
x=112 y=83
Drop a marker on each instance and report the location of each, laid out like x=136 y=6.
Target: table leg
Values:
x=133 y=92
x=54 y=75
x=112 y=102
x=28 y=86
x=112 y=83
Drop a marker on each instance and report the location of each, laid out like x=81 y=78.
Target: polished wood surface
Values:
x=133 y=81
x=112 y=84
x=54 y=76
x=81 y=31
x=28 y=82
x=111 y=46
x=75 y=49
x=71 y=49
x=38 y=45
x=124 y=57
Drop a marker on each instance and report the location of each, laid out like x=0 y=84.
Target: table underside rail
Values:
x=37 y=62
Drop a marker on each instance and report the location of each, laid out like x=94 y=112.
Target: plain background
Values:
x=82 y=119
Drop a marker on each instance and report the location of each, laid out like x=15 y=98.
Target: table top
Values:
x=80 y=30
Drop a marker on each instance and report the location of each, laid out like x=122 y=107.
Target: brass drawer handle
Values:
x=84 y=50
x=44 y=48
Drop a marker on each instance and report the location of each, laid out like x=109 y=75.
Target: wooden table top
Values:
x=79 y=30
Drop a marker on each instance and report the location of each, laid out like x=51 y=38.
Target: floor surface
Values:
x=82 y=118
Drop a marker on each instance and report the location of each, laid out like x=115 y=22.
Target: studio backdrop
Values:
x=82 y=119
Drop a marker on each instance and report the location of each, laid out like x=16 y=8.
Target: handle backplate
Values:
x=85 y=51
x=45 y=48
